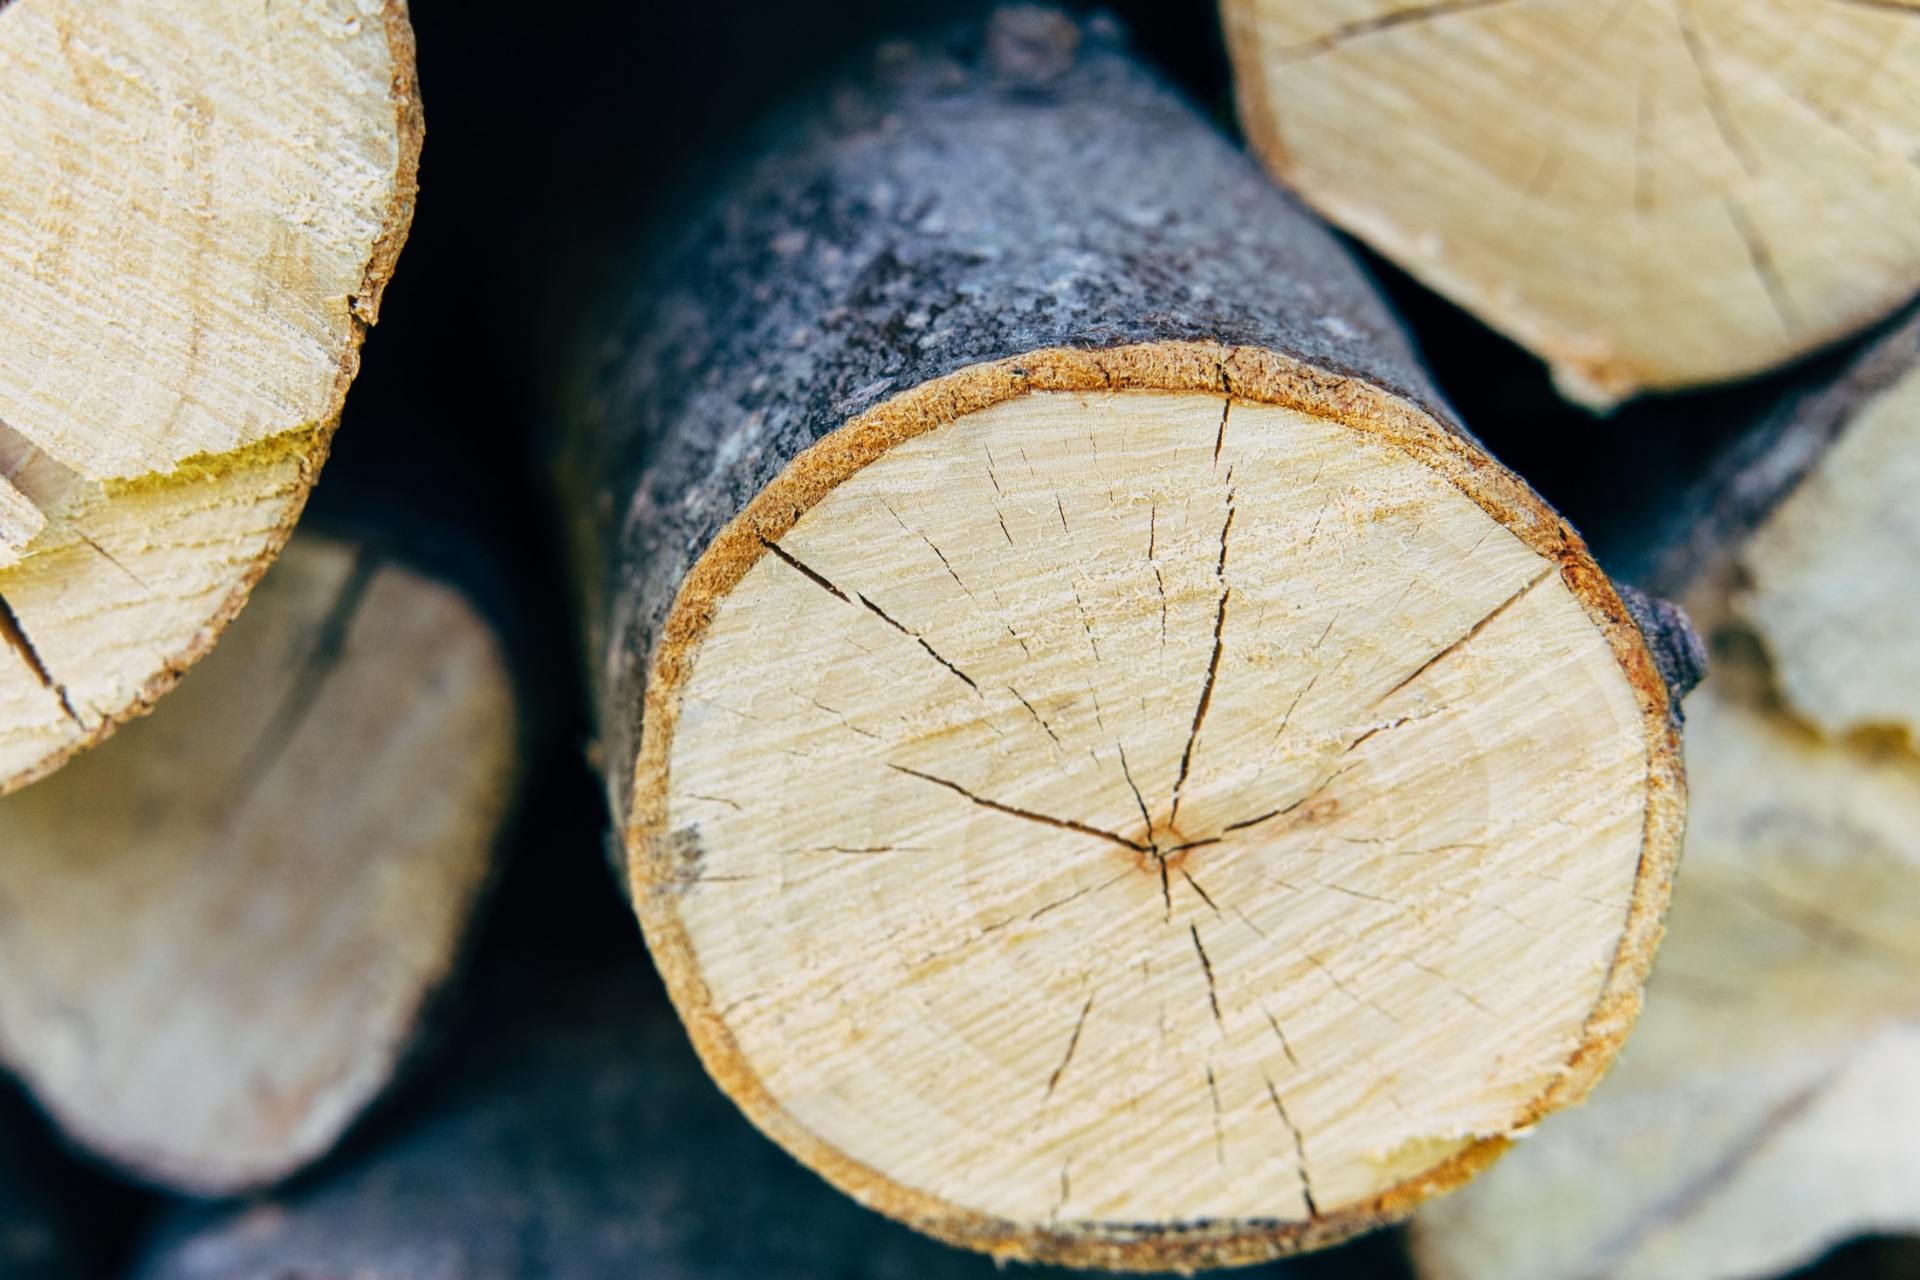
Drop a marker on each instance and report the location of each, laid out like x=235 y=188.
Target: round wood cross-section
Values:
x=1650 y=194
x=1151 y=827
x=200 y=207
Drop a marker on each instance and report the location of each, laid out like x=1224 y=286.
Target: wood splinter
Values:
x=201 y=207
x=1111 y=774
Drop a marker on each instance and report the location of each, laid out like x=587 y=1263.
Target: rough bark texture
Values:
x=881 y=241
x=973 y=219
x=572 y=1136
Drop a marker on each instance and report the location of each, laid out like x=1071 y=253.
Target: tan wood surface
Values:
x=1764 y=1110
x=218 y=931
x=201 y=206
x=1650 y=194
x=1150 y=807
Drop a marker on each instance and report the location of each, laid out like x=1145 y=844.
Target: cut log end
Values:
x=226 y=923
x=1661 y=213
x=1150 y=808
x=193 y=313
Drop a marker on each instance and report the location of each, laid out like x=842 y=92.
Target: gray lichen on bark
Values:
x=963 y=199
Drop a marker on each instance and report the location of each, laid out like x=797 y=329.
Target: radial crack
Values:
x=1764 y=268
x=918 y=639
x=1471 y=633
x=1013 y=811
x=1206 y=967
x=1299 y=1149
x=1073 y=1042
x=1362 y=27
x=801 y=567
x=14 y=636
x=1219 y=1134
x=1286 y=1047
x=1213 y=666
x=1710 y=87
x=1138 y=799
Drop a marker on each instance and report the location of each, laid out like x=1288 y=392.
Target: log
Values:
x=222 y=929
x=1110 y=772
x=1765 y=1109
x=573 y=1136
x=202 y=206
x=1642 y=194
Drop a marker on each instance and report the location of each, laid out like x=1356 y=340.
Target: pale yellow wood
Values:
x=1847 y=536
x=217 y=931
x=192 y=194
x=1648 y=193
x=1134 y=808
x=1764 y=1109
x=201 y=204
x=20 y=522
x=124 y=588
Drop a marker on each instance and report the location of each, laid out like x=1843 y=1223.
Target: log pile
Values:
x=1112 y=770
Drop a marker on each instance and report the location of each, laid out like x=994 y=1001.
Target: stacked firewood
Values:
x=1065 y=617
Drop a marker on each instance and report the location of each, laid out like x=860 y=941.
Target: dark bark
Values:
x=961 y=200
x=573 y=1136
x=43 y=1233
x=1693 y=540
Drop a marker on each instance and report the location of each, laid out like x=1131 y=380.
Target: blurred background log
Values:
x=220 y=932
x=1764 y=1109
x=201 y=209
x=1643 y=194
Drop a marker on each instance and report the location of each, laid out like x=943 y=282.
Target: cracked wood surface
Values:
x=1641 y=191
x=202 y=207
x=1765 y=1108
x=1059 y=914
x=1108 y=775
x=218 y=931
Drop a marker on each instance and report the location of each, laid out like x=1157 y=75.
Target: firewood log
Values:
x=201 y=206
x=1110 y=771
x=1650 y=196
x=1765 y=1108
x=219 y=931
